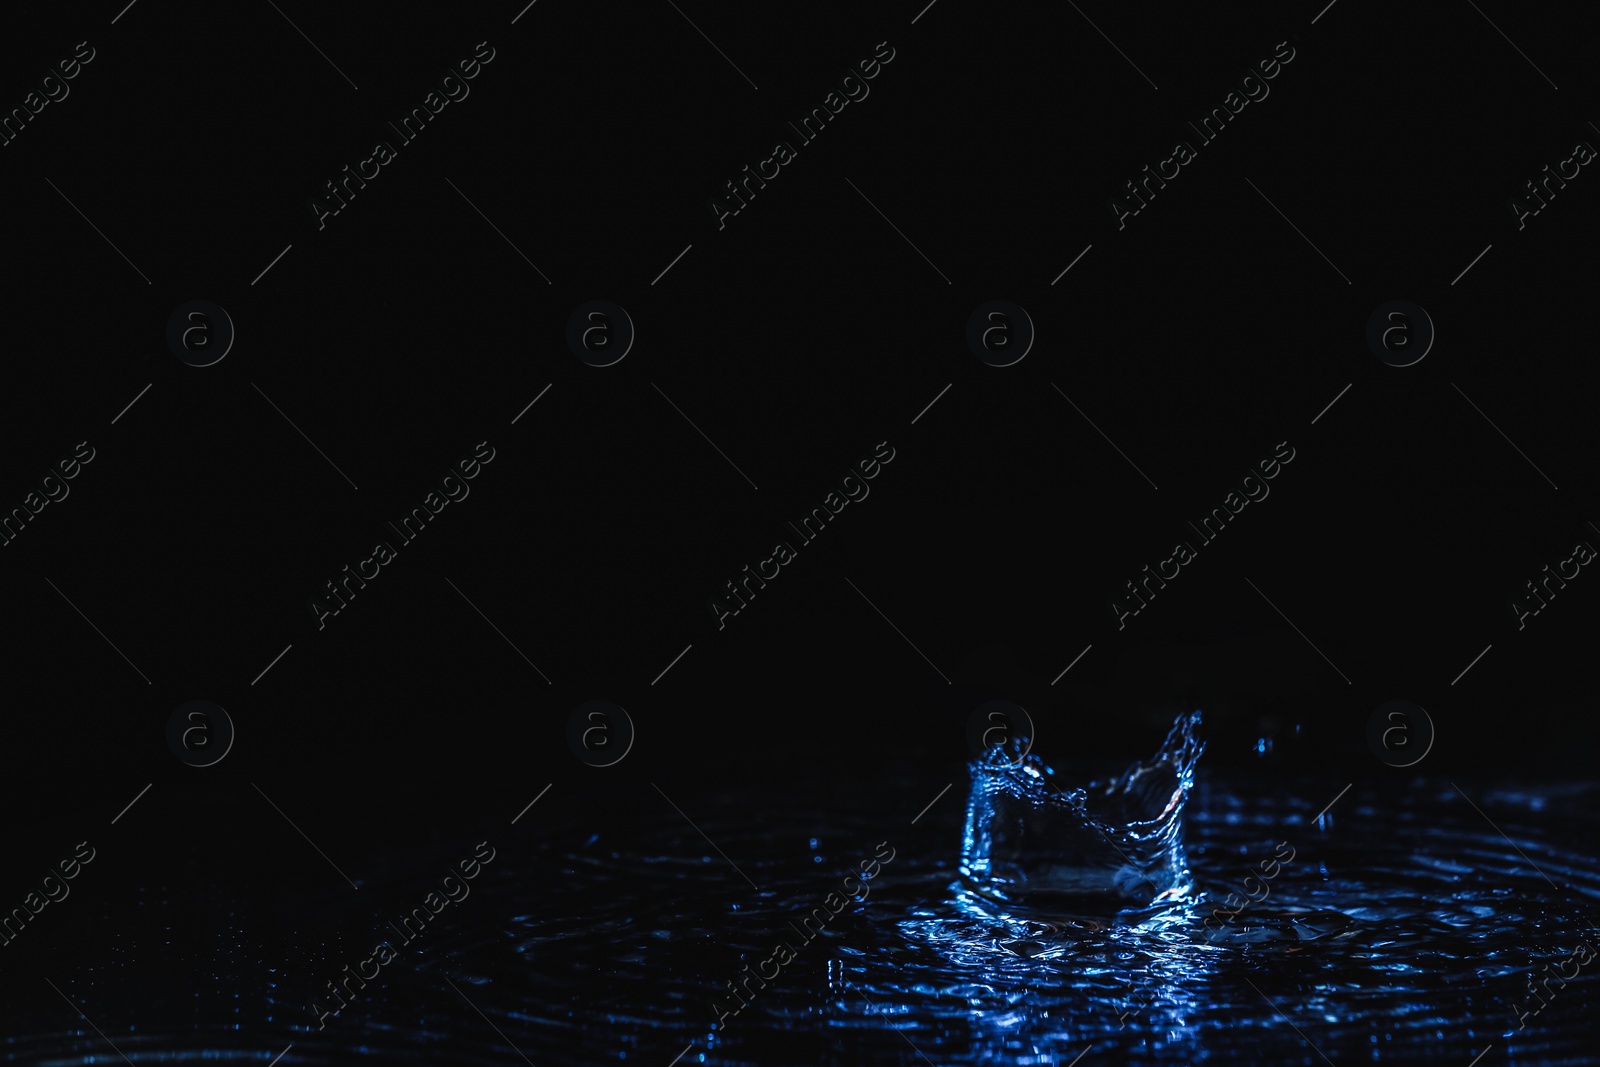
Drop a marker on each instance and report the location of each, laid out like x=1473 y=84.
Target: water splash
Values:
x=1093 y=849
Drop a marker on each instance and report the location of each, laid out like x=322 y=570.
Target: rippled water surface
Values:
x=1404 y=929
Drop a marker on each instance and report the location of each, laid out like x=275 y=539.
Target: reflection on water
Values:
x=1405 y=929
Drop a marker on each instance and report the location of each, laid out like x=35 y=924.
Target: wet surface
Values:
x=1404 y=928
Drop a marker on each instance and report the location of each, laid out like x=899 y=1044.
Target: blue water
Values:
x=1034 y=839
x=1404 y=929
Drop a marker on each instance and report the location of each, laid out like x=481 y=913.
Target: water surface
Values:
x=1404 y=929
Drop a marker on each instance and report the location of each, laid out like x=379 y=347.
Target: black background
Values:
x=796 y=338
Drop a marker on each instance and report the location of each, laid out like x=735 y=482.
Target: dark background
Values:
x=1196 y=338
